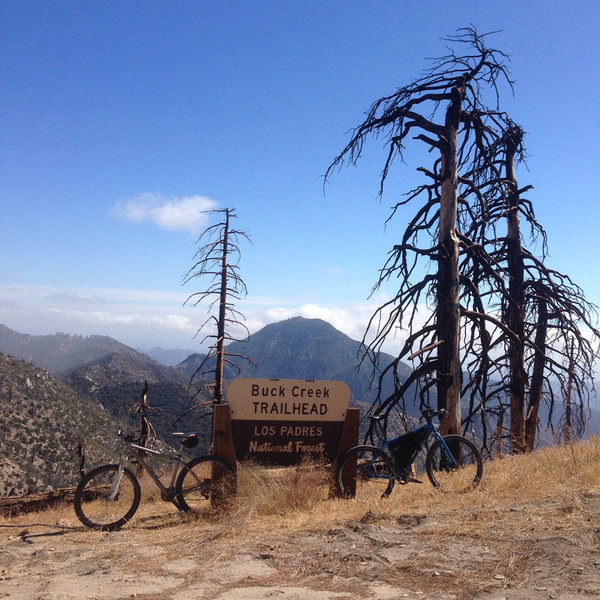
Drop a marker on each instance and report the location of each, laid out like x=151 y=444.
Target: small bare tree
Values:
x=216 y=265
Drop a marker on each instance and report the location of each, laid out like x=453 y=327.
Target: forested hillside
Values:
x=42 y=421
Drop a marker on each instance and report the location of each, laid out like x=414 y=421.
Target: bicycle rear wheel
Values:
x=100 y=505
x=201 y=479
x=458 y=470
x=365 y=473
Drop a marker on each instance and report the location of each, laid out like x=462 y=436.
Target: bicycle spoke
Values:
x=364 y=473
x=196 y=488
x=454 y=466
x=103 y=500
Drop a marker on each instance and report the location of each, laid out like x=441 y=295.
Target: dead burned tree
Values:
x=541 y=308
x=515 y=318
x=504 y=211
x=562 y=337
x=445 y=109
x=216 y=264
x=142 y=410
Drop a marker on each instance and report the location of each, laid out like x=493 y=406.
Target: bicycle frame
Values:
x=401 y=474
x=167 y=493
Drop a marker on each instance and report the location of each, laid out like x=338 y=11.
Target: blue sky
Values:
x=120 y=121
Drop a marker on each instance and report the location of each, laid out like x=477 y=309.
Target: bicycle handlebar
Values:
x=429 y=413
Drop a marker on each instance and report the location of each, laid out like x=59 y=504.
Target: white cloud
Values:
x=172 y=213
x=147 y=318
x=74 y=298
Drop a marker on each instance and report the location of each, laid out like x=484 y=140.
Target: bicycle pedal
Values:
x=413 y=480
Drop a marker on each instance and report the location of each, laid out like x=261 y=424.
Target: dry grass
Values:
x=267 y=492
x=298 y=499
x=527 y=510
x=298 y=496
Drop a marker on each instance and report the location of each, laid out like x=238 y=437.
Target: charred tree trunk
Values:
x=448 y=309
x=216 y=265
x=218 y=398
x=516 y=301
x=537 y=377
x=568 y=405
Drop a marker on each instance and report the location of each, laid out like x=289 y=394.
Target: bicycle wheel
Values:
x=364 y=473
x=98 y=506
x=458 y=471
x=195 y=484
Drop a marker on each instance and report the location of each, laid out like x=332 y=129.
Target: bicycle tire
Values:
x=365 y=473
x=195 y=486
x=463 y=477
x=92 y=506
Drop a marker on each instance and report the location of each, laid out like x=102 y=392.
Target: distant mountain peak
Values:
x=59 y=352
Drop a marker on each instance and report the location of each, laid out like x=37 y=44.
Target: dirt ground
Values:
x=536 y=551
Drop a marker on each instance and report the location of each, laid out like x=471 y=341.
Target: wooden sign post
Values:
x=280 y=423
x=348 y=440
x=223 y=483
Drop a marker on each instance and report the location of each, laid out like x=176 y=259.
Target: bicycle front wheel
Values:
x=365 y=473
x=454 y=464
x=105 y=501
x=202 y=479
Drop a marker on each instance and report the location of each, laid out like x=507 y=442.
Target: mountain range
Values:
x=42 y=421
x=301 y=348
x=59 y=352
x=55 y=389
x=58 y=388
x=297 y=348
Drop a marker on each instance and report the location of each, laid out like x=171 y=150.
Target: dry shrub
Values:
x=266 y=491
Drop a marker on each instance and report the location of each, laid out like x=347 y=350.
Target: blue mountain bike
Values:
x=452 y=462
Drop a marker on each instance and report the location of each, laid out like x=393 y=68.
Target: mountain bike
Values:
x=108 y=496
x=452 y=462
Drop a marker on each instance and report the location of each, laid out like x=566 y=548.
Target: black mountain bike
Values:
x=452 y=463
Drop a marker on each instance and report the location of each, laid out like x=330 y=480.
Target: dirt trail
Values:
x=534 y=552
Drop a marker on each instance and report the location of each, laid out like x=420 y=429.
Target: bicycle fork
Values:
x=116 y=482
x=451 y=461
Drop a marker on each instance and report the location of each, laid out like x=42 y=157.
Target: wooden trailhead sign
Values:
x=283 y=421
